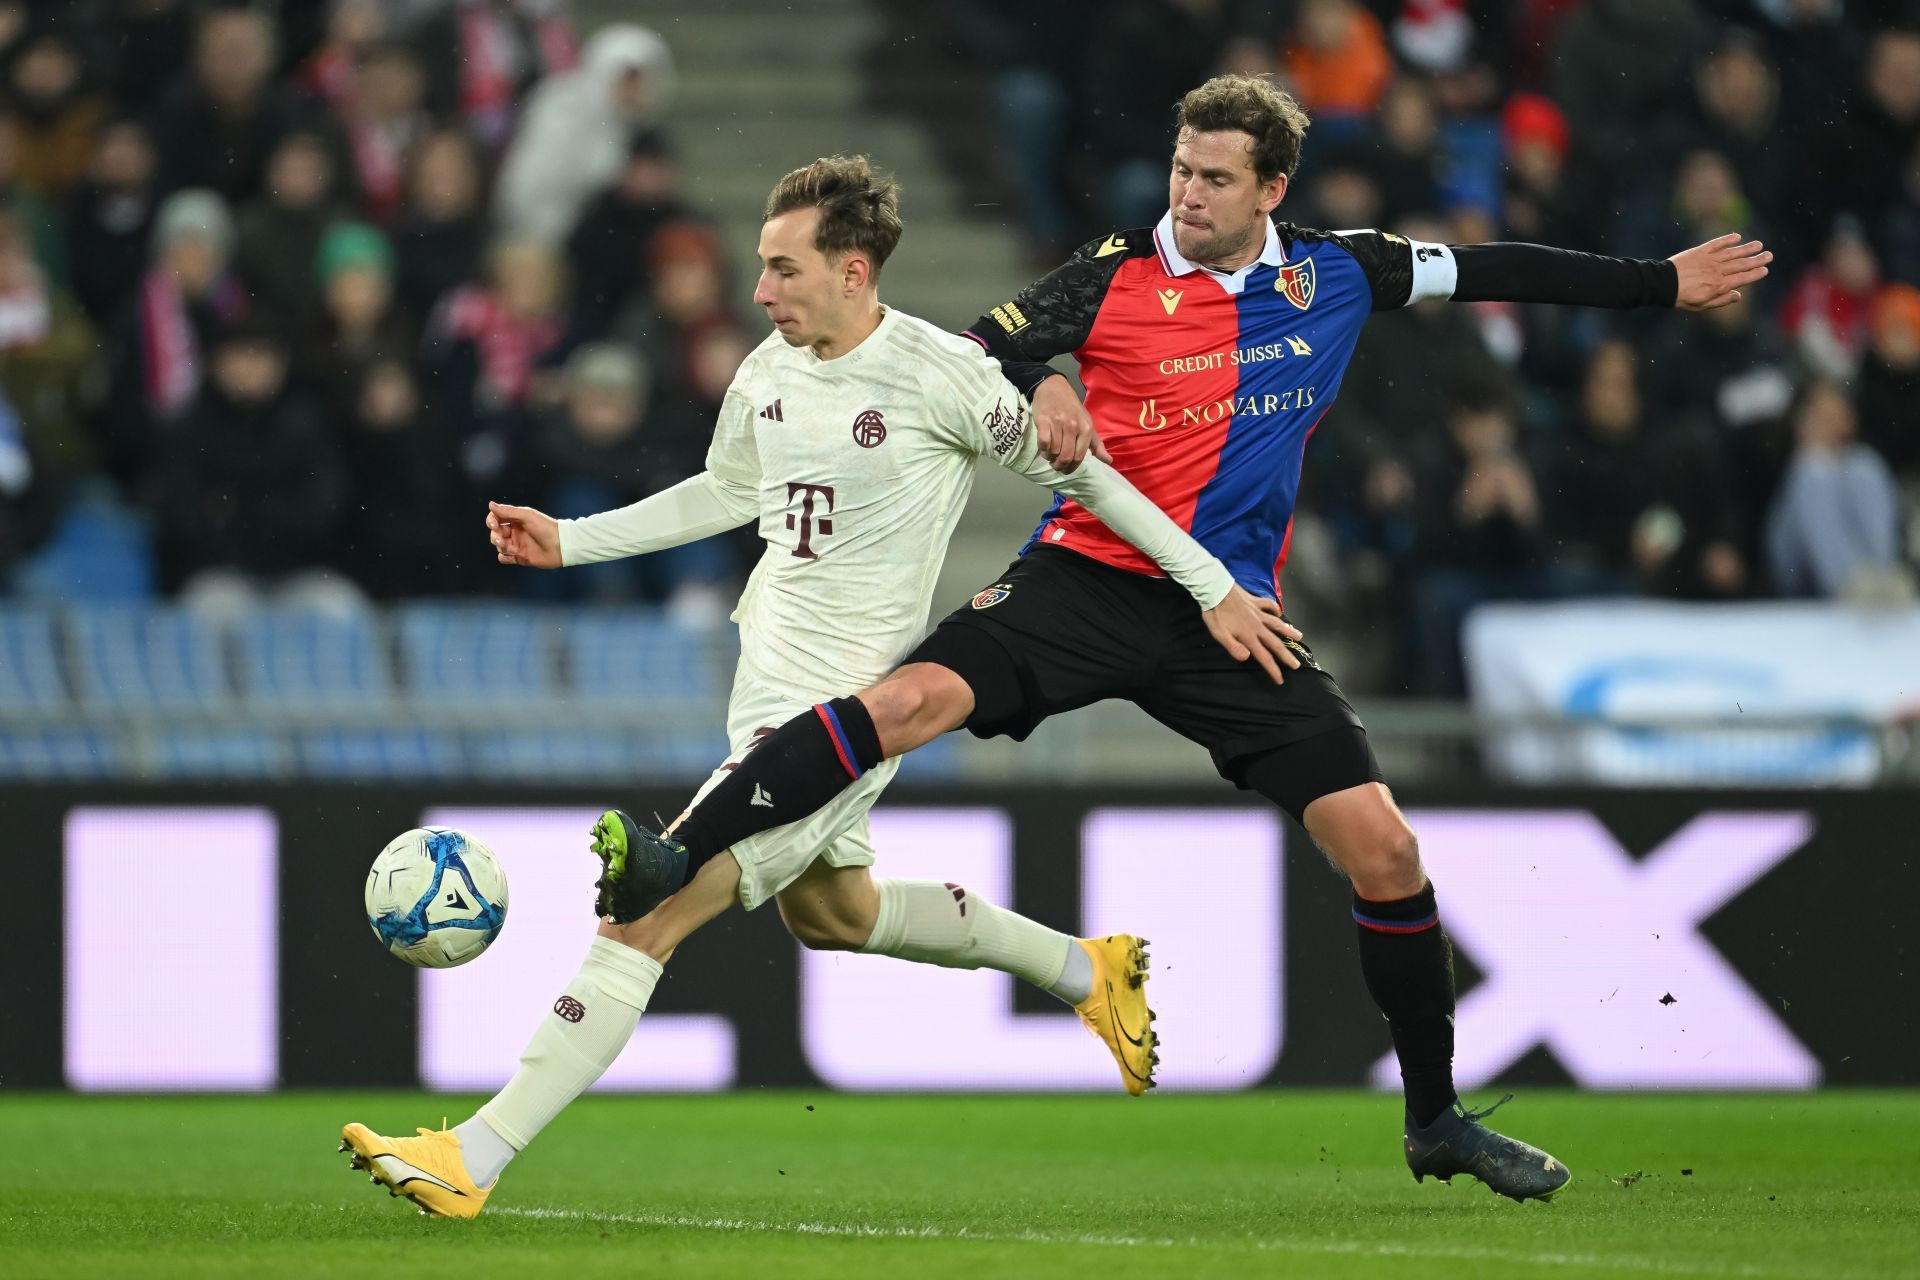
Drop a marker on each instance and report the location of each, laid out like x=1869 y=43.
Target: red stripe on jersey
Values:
x=1166 y=422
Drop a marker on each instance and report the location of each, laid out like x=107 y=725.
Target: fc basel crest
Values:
x=992 y=596
x=1295 y=282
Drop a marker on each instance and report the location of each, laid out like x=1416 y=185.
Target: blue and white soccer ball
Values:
x=436 y=897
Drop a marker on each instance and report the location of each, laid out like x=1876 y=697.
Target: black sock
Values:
x=1408 y=964
x=794 y=770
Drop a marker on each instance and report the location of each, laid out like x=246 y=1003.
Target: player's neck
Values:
x=858 y=328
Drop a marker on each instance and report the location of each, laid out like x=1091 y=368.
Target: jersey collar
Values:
x=1272 y=254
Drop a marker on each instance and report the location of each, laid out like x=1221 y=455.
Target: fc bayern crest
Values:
x=869 y=429
x=1295 y=282
x=992 y=596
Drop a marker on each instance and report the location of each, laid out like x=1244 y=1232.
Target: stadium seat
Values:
x=640 y=660
x=100 y=550
x=58 y=753
x=297 y=660
x=30 y=678
x=221 y=753
x=471 y=657
x=380 y=753
x=132 y=658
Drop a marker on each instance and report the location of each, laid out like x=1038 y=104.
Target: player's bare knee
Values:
x=916 y=704
x=1390 y=868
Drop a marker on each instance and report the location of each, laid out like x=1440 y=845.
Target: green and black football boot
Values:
x=1456 y=1142
x=639 y=870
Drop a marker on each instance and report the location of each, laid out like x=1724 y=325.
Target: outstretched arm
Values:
x=1698 y=279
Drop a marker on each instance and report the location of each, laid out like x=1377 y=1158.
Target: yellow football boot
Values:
x=427 y=1170
x=1117 y=1011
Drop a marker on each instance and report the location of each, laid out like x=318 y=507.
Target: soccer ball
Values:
x=436 y=897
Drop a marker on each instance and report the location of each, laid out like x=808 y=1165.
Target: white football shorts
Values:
x=774 y=859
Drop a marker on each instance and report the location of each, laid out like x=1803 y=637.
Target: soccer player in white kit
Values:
x=851 y=434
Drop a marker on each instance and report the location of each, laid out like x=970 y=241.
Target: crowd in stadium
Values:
x=301 y=283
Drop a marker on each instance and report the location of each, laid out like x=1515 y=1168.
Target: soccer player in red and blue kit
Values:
x=1211 y=347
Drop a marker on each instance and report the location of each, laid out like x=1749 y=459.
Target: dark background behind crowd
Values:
x=286 y=290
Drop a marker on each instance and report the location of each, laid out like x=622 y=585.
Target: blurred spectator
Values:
x=155 y=40
x=482 y=57
x=1618 y=67
x=1436 y=35
x=443 y=233
x=1479 y=526
x=280 y=231
x=359 y=321
x=1032 y=55
x=57 y=113
x=1736 y=114
x=687 y=267
x=578 y=125
x=1827 y=313
x=248 y=485
x=48 y=247
x=1643 y=507
x=715 y=350
x=1834 y=528
x=1403 y=154
x=47 y=362
x=603 y=448
x=488 y=342
x=1900 y=222
x=1550 y=199
x=110 y=219
x=384 y=121
x=1732 y=363
x=1856 y=166
x=1337 y=63
x=216 y=129
x=353 y=28
x=1817 y=52
x=1706 y=201
x=607 y=251
x=184 y=297
x=1889 y=395
x=1141 y=56
x=411 y=527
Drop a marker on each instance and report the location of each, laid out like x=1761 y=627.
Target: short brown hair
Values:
x=1255 y=106
x=859 y=209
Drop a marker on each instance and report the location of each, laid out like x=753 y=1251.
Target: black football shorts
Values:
x=1068 y=631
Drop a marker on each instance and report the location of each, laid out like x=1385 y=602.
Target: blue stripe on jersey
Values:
x=1053 y=509
x=1242 y=514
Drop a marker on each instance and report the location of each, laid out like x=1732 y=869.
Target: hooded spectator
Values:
x=577 y=130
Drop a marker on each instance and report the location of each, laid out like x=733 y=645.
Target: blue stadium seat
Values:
x=296 y=660
x=57 y=753
x=220 y=753
x=638 y=659
x=132 y=658
x=380 y=753
x=630 y=757
x=30 y=677
x=471 y=657
x=100 y=550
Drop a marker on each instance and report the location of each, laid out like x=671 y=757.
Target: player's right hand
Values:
x=1250 y=626
x=521 y=535
x=1063 y=427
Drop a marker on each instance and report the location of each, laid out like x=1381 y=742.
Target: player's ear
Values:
x=856 y=272
x=1272 y=192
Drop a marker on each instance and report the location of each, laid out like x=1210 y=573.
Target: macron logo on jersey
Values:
x=772 y=413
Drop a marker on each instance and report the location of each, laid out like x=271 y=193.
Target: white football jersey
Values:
x=862 y=465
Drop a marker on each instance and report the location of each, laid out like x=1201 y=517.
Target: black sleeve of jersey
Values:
x=1027 y=375
x=1053 y=315
x=1512 y=272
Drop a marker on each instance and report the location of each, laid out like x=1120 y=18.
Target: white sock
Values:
x=944 y=924
x=575 y=1044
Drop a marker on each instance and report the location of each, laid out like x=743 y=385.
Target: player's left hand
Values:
x=1711 y=274
x=1063 y=426
x=1250 y=626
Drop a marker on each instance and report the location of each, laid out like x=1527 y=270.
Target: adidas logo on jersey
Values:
x=772 y=413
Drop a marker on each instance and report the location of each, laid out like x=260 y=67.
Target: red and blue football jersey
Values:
x=1205 y=386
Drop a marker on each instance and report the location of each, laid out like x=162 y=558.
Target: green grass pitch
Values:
x=1300 y=1184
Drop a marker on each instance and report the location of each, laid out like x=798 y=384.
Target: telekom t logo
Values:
x=805 y=521
x=1580 y=942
